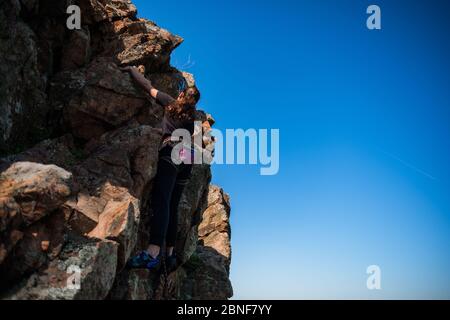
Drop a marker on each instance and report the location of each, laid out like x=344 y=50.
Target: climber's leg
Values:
x=181 y=181
x=162 y=193
x=171 y=237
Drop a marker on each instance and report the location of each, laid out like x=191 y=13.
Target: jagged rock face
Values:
x=36 y=47
x=29 y=192
x=204 y=274
x=22 y=89
x=208 y=269
x=80 y=144
x=214 y=230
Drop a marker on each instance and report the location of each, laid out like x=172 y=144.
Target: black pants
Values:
x=168 y=187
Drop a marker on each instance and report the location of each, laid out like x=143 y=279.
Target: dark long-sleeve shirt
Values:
x=169 y=125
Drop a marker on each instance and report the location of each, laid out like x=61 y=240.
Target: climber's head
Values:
x=184 y=107
x=190 y=96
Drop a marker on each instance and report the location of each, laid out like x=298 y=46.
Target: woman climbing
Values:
x=170 y=178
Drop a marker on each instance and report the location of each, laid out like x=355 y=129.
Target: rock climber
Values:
x=170 y=178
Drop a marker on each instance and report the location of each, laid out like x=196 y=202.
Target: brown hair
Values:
x=184 y=107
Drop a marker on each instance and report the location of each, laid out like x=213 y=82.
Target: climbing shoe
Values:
x=143 y=260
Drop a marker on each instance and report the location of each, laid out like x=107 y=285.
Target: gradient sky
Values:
x=364 y=119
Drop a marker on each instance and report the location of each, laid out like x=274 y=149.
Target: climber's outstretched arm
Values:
x=141 y=80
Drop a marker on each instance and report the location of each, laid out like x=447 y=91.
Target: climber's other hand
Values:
x=141 y=69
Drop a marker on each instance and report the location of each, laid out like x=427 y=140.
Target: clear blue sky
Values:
x=364 y=119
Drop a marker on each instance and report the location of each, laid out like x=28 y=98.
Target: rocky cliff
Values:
x=79 y=148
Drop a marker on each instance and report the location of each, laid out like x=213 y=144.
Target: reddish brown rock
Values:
x=29 y=194
x=214 y=230
x=39 y=243
x=97 y=11
x=29 y=191
x=119 y=221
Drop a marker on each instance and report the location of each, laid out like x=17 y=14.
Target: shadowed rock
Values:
x=84 y=270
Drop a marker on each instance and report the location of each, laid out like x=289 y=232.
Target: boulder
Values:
x=205 y=276
x=29 y=191
x=32 y=247
x=104 y=98
x=127 y=157
x=84 y=270
x=214 y=230
x=119 y=221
